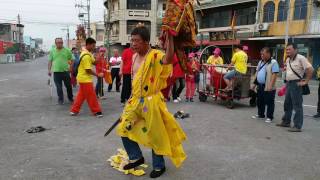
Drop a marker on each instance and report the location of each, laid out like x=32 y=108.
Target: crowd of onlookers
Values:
x=117 y=70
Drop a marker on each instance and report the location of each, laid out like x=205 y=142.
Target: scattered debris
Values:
x=36 y=129
x=181 y=115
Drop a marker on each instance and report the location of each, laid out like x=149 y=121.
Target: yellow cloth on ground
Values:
x=119 y=160
x=146 y=120
x=240 y=60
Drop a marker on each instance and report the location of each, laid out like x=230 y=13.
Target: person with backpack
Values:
x=266 y=77
x=85 y=79
x=59 y=59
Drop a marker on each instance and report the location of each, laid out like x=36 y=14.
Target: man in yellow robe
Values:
x=146 y=119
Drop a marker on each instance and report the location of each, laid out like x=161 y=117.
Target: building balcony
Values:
x=314 y=26
x=138 y=13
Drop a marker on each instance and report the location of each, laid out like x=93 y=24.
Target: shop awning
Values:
x=219 y=43
x=283 y=37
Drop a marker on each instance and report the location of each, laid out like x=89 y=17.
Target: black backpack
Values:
x=76 y=66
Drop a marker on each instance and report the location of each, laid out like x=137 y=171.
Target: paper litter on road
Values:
x=121 y=159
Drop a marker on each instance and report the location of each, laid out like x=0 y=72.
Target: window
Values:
x=283 y=10
x=300 y=9
x=132 y=24
x=139 y=4
x=246 y=16
x=216 y=19
x=268 y=12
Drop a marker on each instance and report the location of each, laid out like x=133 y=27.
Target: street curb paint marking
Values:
x=304 y=105
x=3 y=80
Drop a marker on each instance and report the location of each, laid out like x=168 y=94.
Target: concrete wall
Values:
x=7 y=58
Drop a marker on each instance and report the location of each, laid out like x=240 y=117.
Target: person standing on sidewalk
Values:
x=193 y=68
x=115 y=62
x=59 y=59
x=296 y=65
x=178 y=78
x=76 y=58
x=101 y=65
x=267 y=71
x=318 y=107
x=85 y=79
x=125 y=73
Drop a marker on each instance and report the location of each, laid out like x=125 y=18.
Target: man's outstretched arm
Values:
x=169 y=50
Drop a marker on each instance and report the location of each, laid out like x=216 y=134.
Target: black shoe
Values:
x=60 y=103
x=191 y=99
x=134 y=164
x=283 y=125
x=99 y=115
x=157 y=173
x=187 y=100
x=317 y=115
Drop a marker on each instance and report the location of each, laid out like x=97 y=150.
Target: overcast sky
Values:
x=47 y=11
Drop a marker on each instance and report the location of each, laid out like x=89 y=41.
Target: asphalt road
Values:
x=222 y=144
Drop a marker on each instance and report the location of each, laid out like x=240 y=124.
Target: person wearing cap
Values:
x=215 y=59
x=193 y=68
x=100 y=68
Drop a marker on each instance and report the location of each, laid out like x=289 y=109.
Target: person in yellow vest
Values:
x=239 y=62
x=215 y=59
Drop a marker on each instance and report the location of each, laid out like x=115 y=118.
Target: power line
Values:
x=40 y=22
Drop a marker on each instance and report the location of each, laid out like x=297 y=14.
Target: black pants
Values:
x=99 y=87
x=126 y=88
x=64 y=77
x=265 y=98
x=318 y=108
x=115 y=75
x=178 y=87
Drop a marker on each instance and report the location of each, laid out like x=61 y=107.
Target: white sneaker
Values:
x=268 y=120
x=73 y=114
x=176 y=101
x=179 y=99
x=255 y=116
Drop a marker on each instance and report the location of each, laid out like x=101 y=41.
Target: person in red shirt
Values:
x=193 y=68
x=100 y=68
x=125 y=73
x=179 y=83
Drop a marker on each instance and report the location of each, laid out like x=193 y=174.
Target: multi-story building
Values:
x=9 y=35
x=303 y=27
x=126 y=14
x=98 y=32
x=225 y=23
x=258 y=23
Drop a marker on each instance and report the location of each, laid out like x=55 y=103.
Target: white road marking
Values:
x=3 y=80
x=304 y=105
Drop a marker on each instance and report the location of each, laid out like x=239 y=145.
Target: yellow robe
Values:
x=146 y=120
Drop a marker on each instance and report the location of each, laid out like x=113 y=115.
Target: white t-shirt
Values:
x=115 y=62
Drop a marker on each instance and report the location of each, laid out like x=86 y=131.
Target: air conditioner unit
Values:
x=262 y=27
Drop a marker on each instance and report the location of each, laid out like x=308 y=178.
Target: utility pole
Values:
x=288 y=22
x=88 y=10
x=107 y=26
x=85 y=10
x=68 y=35
x=19 y=33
